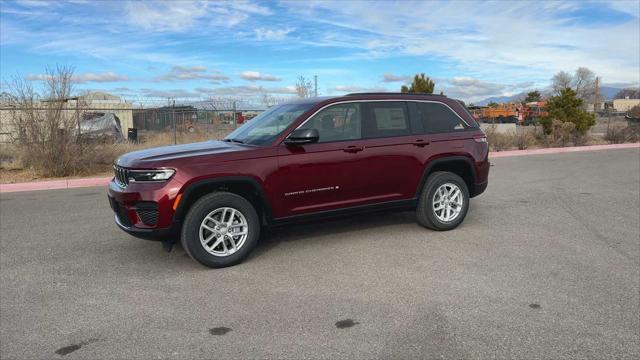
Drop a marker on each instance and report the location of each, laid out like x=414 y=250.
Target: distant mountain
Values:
x=498 y=99
x=608 y=92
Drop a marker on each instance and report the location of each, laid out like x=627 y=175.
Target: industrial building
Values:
x=92 y=104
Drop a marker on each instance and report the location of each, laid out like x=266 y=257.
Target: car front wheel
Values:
x=443 y=202
x=220 y=230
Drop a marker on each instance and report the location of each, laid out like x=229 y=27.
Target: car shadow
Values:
x=348 y=224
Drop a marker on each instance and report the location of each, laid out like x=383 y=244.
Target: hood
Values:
x=155 y=156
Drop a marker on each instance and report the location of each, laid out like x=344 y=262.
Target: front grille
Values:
x=121 y=175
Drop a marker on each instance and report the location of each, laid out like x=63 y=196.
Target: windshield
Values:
x=264 y=128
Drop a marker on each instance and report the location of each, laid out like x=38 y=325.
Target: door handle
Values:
x=353 y=149
x=421 y=143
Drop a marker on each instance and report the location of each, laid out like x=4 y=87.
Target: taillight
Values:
x=480 y=139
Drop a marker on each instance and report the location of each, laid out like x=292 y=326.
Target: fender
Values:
x=191 y=188
x=443 y=160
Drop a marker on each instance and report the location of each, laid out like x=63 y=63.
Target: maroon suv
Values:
x=302 y=159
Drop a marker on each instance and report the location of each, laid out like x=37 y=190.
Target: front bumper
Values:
x=145 y=210
x=147 y=234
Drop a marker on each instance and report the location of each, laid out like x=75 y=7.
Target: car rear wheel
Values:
x=220 y=229
x=444 y=201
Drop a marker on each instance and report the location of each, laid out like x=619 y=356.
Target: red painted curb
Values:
x=498 y=154
x=103 y=181
x=54 y=184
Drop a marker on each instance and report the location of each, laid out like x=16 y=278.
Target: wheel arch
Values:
x=459 y=165
x=245 y=186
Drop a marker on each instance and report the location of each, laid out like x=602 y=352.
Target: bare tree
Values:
x=561 y=81
x=584 y=83
x=46 y=122
x=630 y=93
x=304 y=87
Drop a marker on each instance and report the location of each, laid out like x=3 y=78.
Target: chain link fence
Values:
x=123 y=121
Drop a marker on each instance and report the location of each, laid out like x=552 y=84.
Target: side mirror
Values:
x=302 y=136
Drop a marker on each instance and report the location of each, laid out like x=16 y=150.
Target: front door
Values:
x=324 y=175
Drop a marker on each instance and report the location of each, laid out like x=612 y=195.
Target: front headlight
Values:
x=150 y=175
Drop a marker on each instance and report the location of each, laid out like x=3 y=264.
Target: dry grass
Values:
x=528 y=138
x=96 y=159
x=619 y=133
x=520 y=139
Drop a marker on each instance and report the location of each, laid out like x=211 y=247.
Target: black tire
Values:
x=425 y=213
x=190 y=236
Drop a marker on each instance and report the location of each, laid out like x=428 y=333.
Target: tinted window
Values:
x=437 y=118
x=337 y=123
x=387 y=119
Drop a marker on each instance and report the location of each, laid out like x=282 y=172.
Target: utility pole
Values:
x=596 y=95
x=315 y=85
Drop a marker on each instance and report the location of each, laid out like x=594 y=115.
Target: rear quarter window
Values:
x=439 y=118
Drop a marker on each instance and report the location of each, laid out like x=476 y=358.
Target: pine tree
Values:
x=420 y=84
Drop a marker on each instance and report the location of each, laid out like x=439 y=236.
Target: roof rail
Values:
x=395 y=93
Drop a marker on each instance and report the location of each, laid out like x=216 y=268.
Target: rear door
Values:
x=395 y=151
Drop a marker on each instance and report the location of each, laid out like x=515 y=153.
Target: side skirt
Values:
x=390 y=205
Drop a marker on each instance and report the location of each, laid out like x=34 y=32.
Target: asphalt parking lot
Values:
x=546 y=265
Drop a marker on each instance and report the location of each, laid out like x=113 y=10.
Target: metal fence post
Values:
x=235 y=120
x=173 y=116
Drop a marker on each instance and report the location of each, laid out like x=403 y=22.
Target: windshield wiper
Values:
x=234 y=140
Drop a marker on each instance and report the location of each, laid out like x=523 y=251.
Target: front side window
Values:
x=266 y=127
x=439 y=118
x=387 y=119
x=337 y=123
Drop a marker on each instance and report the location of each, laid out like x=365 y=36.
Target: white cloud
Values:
x=272 y=34
x=198 y=72
x=247 y=90
x=388 y=77
x=354 y=89
x=257 y=76
x=175 y=93
x=165 y=15
x=180 y=16
x=491 y=40
x=473 y=89
x=84 y=77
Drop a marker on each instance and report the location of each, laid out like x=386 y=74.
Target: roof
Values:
x=394 y=93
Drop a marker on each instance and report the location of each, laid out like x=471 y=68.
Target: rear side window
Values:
x=439 y=118
x=387 y=119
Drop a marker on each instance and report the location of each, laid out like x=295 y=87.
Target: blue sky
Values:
x=147 y=51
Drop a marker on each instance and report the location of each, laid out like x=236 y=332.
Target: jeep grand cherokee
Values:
x=302 y=159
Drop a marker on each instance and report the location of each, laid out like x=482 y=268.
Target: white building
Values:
x=625 y=104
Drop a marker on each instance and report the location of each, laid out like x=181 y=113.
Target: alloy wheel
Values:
x=447 y=202
x=223 y=231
